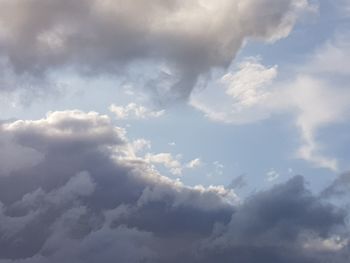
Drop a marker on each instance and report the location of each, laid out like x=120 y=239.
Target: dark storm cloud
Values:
x=87 y=198
x=104 y=36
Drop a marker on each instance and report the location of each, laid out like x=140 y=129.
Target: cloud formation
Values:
x=134 y=111
x=315 y=94
x=243 y=94
x=90 y=198
x=103 y=37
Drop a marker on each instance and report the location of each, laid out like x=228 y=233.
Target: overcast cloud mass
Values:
x=98 y=164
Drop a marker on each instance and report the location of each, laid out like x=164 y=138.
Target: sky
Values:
x=174 y=131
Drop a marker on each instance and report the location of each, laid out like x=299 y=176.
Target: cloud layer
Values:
x=89 y=198
x=103 y=37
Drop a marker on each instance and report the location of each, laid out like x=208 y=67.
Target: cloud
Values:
x=246 y=93
x=238 y=182
x=272 y=175
x=134 y=111
x=166 y=159
x=104 y=37
x=277 y=223
x=340 y=187
x=172 y=163
x=334 y=243
x=218 y=168
x=194 y=163
x=140 y=145
x=342 y=7
x=316 y=95
x=90 y=199
x=319 y=106
x=14 y=157
x=247 y=85
x=57 y=209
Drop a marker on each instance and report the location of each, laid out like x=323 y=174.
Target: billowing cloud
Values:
x=103 y=37
x=87 y=184
x=89 y=198
x=276 y=223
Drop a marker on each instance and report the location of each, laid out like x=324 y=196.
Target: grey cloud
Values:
x=268 y=213
x=80 y=172
x=96 y=202
x=275 y=226
x=104 y=37
x=238 y=182
x=15 y=157
x=340 y=187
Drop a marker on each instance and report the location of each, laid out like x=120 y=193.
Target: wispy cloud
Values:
x=134 y=111
x=316 y=95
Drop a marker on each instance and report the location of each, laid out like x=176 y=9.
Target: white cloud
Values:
x=217 y=169
x=134 y=111
x=245 y=94
x=334 y=243
x=247 y=86
x=317 y=97
x=321 y=97
x=167 y=160
x=318 y=105
x=272 y=175
x=195 y=163
x=333 y=57
x=172 y=163
x=140 y=145
x=66 y=126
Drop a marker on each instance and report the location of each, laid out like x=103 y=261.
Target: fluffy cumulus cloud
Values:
x=93 y=37
x=88 y=197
